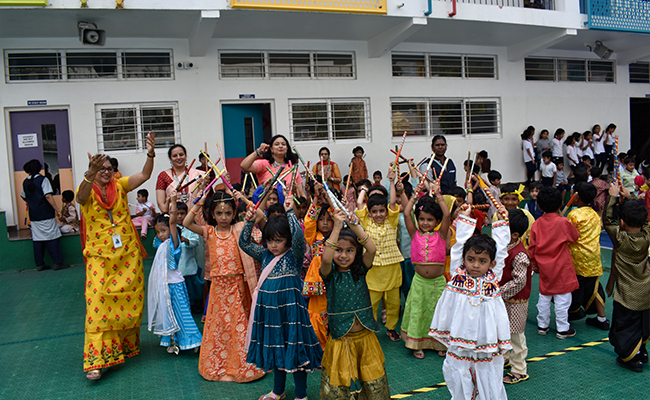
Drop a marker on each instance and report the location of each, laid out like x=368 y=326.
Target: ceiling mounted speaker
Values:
x=90 y=35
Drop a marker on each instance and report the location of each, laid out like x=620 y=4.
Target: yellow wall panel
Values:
x=346 y=6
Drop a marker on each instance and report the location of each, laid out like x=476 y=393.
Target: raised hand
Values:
x=96 y=163
x=263 y=148
x=151 y=144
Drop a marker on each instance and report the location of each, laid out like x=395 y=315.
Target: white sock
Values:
x=601 y=319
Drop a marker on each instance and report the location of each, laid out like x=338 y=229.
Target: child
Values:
x=549 y=252
x=350 y=197
x=376 y=178
x=301 y=208
x=629 y=280
x=145 y=212
x=561 y=181
x=404 y=240
x=586 y=147
x=629 y=173
x=69 y=220
x=188 y=266
x=532 y=207
x=494 y=179
x=233 y=280
x=385 y=278
x=485 y=163
x=601 y=191
x=589 y=298
x=353 y=361
x=515 y=290
x=548 y=170
x=471 y=318
x=280 y=335
x=571 y=151
x=174 y=324
x=318 y=224
x=556 y=146
x=359 y=169
x=510 y=198
x=428 y=251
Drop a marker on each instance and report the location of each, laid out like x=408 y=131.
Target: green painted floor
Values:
x=41 y=351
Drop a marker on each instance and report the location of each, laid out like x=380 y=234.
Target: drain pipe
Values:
x=428 y=12
x=453 y=12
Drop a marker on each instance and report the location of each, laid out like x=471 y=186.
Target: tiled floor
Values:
x=41 y=344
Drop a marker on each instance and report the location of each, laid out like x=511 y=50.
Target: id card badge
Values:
x=117 y=241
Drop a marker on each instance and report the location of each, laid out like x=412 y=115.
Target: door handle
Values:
x=70 y=159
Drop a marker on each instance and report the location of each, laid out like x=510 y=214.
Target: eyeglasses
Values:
x=106 y=169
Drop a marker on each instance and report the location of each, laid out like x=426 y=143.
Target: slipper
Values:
x=94 y=374
x=419 y=354
x=512 y=379
x=272 y=396
x=507 y=365
x=393 y=335
x=442 y=354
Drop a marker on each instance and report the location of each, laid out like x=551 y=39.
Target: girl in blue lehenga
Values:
x=168 y=301
x=280 y=335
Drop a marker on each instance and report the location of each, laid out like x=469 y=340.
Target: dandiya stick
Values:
x=185 y=175
x=206 y=188
x=426 y=172
x=221 y=157
x=480 y=206
x=571 y=201
x=617 y=175
x=214 y=166
x=347 y=184
x=243 y=185
x=189 y=183
x=406 y=160
x=469 y=167
x=268 y=188
x=322 y=170
x=253 y=180
x=399 y=152
x=293 y=178
x=442 y=171
x=302 y=161
x=489 y=195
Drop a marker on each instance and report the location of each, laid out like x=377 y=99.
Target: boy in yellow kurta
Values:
x=385 y=278
x=589 y=298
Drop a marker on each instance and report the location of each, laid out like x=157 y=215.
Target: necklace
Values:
x=479 y=282
x=216 y=232
x=276 y=164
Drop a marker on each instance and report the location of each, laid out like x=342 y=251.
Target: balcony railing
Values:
x=540 y=4
x=619 y=15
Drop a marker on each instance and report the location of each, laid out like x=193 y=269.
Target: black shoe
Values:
x=600 y=325
x=566 y=334
x=43 y=267
x=636 y=366
x=644 y=356
x=542 y=331
x=60 y=266
x=580 y=314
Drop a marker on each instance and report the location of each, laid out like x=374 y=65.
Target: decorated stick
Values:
x=205 y=145
x=347 y=184
x=571 y=201
x=189 y=183
x=335 y=202
x=322 y=170
x=253 y=180
x=480 y=206
x=426 y=172
x=617 y=175
x=243 y=185
x=489 y=195
x=221 y=157
x=293 y=178
x=206 y=188
x=268 y=188
x=311 y=175
x=442 y=171
x=214 y=166
x=469 y=166
x=185 y=175
x=399 y=152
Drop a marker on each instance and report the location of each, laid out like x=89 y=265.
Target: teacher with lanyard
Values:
x=169 y=180
x=330 y=169
x=113 y=254
x=269 y=158
x=439 y=148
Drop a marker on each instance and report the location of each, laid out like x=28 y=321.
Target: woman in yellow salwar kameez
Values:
x=113 y=256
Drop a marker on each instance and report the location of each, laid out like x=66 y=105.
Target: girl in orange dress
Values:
x=223 y=350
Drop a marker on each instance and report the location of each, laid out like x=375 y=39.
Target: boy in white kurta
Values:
x=471 y=318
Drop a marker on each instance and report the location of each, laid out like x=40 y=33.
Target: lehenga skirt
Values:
x=418 y=313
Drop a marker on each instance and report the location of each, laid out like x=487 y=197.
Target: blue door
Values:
x=243 y=132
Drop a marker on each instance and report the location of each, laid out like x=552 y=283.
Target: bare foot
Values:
x=419 y=354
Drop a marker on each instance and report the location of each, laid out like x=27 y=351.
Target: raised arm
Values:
x=446 y=215
x=408 y=220
x=331 y=243
x=248 y=163
x=141 y=177
x=173 y=230
x=245 y=242
x=297 y=236
x=393 y=195
x=364 y=239
x=501 y=235
x=464 y=230
x=95 y=164
x=188 y=222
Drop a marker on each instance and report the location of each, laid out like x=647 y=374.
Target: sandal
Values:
x=272 y=396
x=393 y=335
x=512 y=378
x=507 y=364
x=419 y=354
x=442 y=353
x=94 y=374
x=383 y=316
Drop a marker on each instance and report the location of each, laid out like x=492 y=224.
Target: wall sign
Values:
x=247 y=96
x=26 y=140
x=36 y=102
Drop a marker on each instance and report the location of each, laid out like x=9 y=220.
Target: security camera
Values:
x=601 y=50
x=188 y=65
x=180 y=65
x=90 y=35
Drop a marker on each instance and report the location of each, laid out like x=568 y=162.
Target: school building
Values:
x=95 y=75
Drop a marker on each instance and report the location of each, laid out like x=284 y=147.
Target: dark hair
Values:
x=586 y=191
x=289 y=156
x=629 y=160
x=302 y=200
x=378 y=172
x=202 y=156
x=144 y=193
x=621 y=155
x=356 y=269
x=237 y=186
x=558 y=132
x=509 y=187
x=218 y=197
x=381 y=188
x=581 y=173
x=436 y=138
x=169 y=152
x=357 y=149
x=408 y=189
x=633 y=213
x=570 y=139
x=610 y=126
x=646 y=171
x=596 y=172
x=518 y=221
x=526 y=134
x=161 y=219
x=549 y=199
x=481 y=243
x=277 y=226
x=560 y=161
x=457 y=191
x=468 y=163
x=542 y=132
x=586 y=158
x=364 y=182
x=428 y=205
x=276 y=208
x=534 y=185
x=530 y=129
x=547 y=154
x=68 y=195
x=593 y=128
x=32 y=167
x=114 y=163
x=377 y=200
x=324 y=148
x=586 y=133
x=493 y=175
x=483 y=154
x=180 y=206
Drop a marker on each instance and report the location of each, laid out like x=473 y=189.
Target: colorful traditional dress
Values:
x=331 y=170
x=114 y=278
x=426 y=249
x=223 y=351
x=353 y=362
x=281 y=336
x=359 y=170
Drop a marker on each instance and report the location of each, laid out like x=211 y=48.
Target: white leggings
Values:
x=562 y=304
x=469 y=376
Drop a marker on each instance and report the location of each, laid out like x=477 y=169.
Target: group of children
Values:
x=296 y=284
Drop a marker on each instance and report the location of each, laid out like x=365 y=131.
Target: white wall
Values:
x=200 y=93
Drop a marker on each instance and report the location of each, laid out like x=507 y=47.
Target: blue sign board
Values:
x=246 y=96
x=36 y=102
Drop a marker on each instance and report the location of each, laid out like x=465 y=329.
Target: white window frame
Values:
x=63 y=74
x=587 y=68
x=646 y=64
x=463 y=65
x=140 y=133
x=331 y=137
x=266 y=66
x=463 y=101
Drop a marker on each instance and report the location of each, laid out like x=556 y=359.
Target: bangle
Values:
x=331 y=244
x=193 y=212
x=150 y=156
x=257 y=152
x=364 y=240
x=199 y=204
x=85 y=179
x=470 y=190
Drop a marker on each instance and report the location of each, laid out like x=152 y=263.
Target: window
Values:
x=449 y=117
x=66 y=65
x=286 y=64
x=124 y=126
x=639 y=72
x=569 y=70
x=444 y=66
x=330 y=119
